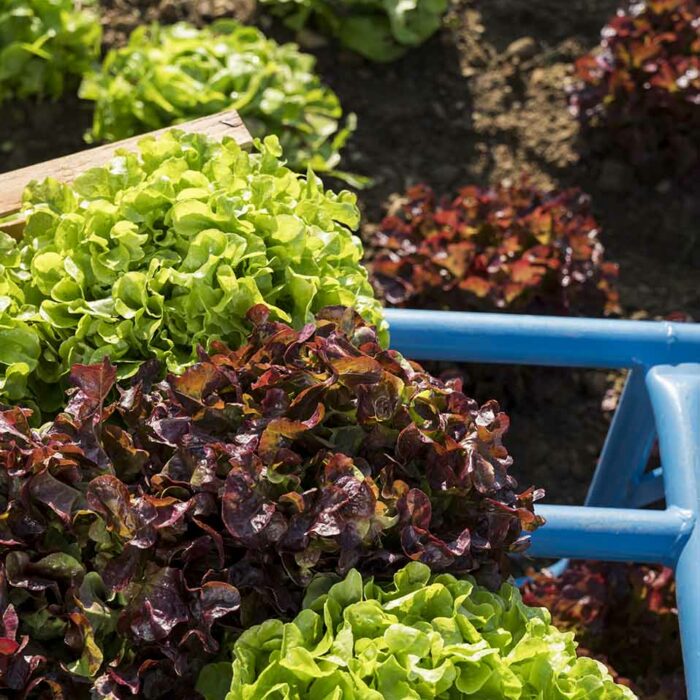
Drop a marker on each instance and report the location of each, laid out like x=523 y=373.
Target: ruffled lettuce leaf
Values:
x=422 y=636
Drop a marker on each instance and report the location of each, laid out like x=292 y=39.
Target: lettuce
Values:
x=167 y=75
x=381 y=30
x=512 y=247
x=161 y=251
x=153 y=522
x=45 y=45
x=420 y=637
x=637 y=94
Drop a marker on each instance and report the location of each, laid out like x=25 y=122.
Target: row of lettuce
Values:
x=244 y=494
x=640 y=88
x=153 y=255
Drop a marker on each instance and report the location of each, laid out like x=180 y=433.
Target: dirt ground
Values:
x=481 y=101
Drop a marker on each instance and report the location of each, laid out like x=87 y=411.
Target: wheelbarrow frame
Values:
x=660 y=401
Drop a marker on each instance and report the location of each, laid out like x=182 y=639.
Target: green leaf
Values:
x=408 y=652
x=166 y=252
x=59 y=565
x=214 y=681
x=45 y=47
x=19 y=345
x=381 y=30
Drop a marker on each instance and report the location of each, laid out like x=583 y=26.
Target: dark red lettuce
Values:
x=641 y=87
x=513 y=248
x=104 y=587
x=139 y=532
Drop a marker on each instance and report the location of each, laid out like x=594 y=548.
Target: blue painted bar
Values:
x=541 y=340
x=623 y=460
x=611 y=534
x=649 y=489
x=675 y=396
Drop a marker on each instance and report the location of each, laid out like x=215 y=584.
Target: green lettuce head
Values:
x=166 y=75
x=381 y=30
x=420 y=637
x=164 y=250
x=45 y=46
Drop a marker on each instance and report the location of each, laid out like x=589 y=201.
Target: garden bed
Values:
x=481 y=101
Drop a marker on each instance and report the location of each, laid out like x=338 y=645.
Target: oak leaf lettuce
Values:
x=164 y=250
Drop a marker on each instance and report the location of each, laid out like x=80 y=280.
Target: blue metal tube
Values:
x=675 y=396
x=611 y=534
x=540 y=340
x=650 y=489
x=622 y=460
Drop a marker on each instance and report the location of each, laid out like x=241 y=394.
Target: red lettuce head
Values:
x=512 y=248
x=147 y=524
x=641 y=86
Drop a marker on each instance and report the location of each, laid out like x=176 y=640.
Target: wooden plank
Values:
x=67 y=168
x=14 y=227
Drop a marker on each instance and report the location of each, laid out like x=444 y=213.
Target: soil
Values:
x=31 y=133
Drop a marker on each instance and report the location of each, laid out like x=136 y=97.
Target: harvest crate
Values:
x=661 y=401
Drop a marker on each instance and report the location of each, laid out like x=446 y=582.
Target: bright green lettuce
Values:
x=381 y=30
x=165 y=250
x=421 y=637
x=45 y=45
x=167 y=75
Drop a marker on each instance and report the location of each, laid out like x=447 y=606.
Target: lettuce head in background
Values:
x=381 y=30
x=170 y=74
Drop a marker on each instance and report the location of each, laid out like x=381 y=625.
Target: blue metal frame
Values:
x=661 y=398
